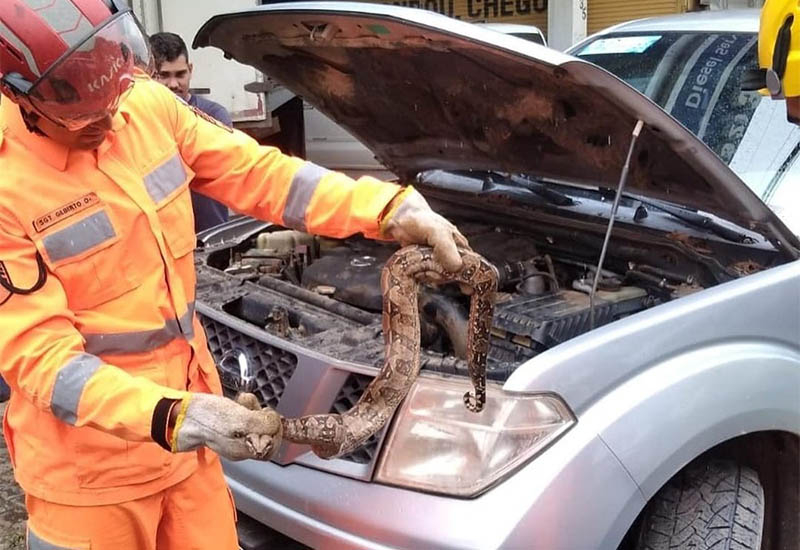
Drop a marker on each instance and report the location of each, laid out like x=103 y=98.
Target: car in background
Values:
x=647 y=402
x=692 y=66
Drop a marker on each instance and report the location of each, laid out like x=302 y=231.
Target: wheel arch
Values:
x=775 y=457
x=735 y=397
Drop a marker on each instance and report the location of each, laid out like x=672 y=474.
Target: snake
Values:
x=332 y=435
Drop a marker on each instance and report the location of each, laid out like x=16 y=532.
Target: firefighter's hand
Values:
x=413 y=222
x=233 y=431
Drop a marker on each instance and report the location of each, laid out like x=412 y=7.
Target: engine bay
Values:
x=325 y=294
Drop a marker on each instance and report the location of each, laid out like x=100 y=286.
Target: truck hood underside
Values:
x=424 y=92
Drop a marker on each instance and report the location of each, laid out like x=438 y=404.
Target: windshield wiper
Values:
x=695 y=219
x=490 y=182
x=550 y=195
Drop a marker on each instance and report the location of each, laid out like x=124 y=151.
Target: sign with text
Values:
x=705 y=79
x=524 y=12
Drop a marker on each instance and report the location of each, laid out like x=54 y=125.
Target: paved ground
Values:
x=12 y=505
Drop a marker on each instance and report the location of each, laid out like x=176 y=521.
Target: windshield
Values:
x=696 y=77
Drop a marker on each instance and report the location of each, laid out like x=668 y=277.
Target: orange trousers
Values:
x=195 y=514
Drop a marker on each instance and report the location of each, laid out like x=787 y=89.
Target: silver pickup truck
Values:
x=651 y=401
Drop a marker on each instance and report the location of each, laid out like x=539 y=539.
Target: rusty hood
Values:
x=426 y=91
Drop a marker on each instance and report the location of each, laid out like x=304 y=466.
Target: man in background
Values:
x=173 y=70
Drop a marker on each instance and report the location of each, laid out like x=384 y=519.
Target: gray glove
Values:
x=226 y=427
x=413 y=222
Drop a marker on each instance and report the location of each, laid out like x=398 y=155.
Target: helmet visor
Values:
x=89 y=81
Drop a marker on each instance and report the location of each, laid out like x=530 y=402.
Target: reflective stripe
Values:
x=186 y=322
x=146 y=340
x=36 y=543
x=79 y=237
x=304 y=184
x=69 y=385
x=165 y=179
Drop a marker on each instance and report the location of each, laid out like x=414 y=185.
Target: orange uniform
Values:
x=111 y=333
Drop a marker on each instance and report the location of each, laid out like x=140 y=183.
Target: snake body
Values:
x=332 y=435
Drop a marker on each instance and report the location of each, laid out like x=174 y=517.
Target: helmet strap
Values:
x=31 y=119
x=15 y=84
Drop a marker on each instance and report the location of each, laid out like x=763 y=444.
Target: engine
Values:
x=542 y=300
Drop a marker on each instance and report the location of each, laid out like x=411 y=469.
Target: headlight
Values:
x=437 y=445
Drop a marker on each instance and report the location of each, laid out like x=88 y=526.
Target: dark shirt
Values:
x=207 y=211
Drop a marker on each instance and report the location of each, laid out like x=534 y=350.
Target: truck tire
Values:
x=709 y=505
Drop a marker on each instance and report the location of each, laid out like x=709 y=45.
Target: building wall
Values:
x=599 y=13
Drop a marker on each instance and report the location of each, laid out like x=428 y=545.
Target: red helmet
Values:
x=69 y=60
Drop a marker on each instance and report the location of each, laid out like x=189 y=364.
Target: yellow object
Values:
x=779 y=47
x=112 y=332
x=393 y=206
x=173 y=443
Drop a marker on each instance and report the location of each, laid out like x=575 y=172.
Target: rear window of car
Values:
x=696 y=77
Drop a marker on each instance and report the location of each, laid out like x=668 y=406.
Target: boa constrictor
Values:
x=332 y=435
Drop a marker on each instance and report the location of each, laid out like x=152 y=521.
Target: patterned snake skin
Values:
x=332 y=435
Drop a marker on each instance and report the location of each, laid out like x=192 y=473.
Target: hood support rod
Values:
x=623 y=178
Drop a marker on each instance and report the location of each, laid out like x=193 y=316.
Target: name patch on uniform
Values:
x=63 y=212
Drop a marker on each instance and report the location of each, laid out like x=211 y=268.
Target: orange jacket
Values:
x=112 y=331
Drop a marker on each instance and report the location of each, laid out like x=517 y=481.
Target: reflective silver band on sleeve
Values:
x=138 y=342
x=70 y=381
x=79 y=237
x=186 y=322
x=304 y=183
x=165 y=179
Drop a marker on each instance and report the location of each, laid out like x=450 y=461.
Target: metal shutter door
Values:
x=604 y=13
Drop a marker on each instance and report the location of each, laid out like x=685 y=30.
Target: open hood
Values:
x=425 y=91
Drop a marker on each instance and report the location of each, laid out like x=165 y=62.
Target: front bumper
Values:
x=575 y=496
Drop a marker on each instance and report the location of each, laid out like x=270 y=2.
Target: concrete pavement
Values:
x=12 y=503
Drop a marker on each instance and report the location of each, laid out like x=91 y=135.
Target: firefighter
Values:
x=116 y=417
x=779 y=55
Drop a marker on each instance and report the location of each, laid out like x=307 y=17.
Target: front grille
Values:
x=273 y=366
x=349 y=395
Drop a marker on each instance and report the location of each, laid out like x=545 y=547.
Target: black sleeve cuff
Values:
x=159 y=427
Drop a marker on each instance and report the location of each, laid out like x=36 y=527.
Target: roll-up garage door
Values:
x=604 y=13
